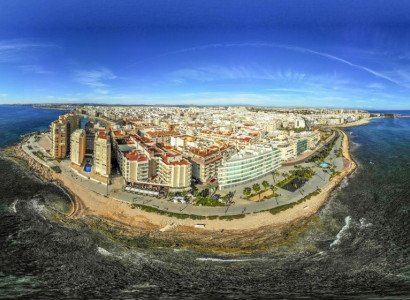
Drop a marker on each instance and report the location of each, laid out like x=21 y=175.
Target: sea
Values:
x=357 y=247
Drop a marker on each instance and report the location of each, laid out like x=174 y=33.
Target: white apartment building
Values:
x=248 y=165
x=102 y=154
x=77 y=146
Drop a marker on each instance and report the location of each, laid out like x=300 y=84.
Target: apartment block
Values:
x=248 y=165
x=78 y=146
x=59 y=138
x=102 y=153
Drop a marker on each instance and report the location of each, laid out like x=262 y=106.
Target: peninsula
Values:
x=220 y=178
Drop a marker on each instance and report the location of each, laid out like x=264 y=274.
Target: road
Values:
x=242 y=206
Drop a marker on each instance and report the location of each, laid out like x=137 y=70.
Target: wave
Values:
x=13 y=206
x=103 y=251
x=38 y=207
x=226 y=259
x=364 y=223
x=342 y=232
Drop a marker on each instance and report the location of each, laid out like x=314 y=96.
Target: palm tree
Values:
x=208 y=187
x=256 y=187
x=265 y=184
x=247 y=191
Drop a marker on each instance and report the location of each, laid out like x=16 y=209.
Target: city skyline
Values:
x=279 y=55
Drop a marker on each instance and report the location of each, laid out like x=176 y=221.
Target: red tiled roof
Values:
x=156 y=133
x=136 y=156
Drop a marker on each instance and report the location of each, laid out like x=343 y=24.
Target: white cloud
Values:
x=379 y=74
x=96 y=79
x=37 y=69
x=20 y=50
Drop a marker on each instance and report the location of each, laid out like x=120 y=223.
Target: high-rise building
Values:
x=59 y=137
x=77 y=146
x=248 y=165
x=102 y=153
x=60 y=134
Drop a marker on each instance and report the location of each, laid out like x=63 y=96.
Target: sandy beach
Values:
x=255 y=229
x=356 y=123
x=91 y=203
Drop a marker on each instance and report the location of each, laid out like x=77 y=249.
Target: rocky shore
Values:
x=136 y=227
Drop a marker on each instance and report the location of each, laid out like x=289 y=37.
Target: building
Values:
x=135 y=167
x=175 y=172
x=248 y=165
x=301 y=146
x=160 y=136
x=205 y=163
x=59 y=138
x=287 y=151
x=77 y=146
x=60 y=134
x=102 y=153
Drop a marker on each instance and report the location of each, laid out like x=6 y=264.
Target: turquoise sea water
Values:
x=357 y=247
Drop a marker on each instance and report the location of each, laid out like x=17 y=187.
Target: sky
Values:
x=336 y=54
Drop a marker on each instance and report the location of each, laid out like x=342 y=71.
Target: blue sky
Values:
x=268 y=53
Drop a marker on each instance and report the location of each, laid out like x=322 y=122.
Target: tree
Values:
x=184 y=193
x=265 y=184
x=247 y=191
x=171 y=195
x=256 y=187
x=209 y=186
x=196 y=193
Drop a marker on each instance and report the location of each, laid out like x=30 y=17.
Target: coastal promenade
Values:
x=241 y=206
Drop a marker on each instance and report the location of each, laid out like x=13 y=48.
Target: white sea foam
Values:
x=39 y=208
x=364 y=223
x=103 y=251
x=13 y=206
x=342 y=232
x=225 y=260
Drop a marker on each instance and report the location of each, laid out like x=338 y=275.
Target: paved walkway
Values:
x=241 y=205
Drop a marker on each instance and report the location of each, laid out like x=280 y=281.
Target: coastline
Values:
x=255 y=231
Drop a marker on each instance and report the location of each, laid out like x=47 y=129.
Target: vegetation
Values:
x=233 y=217
x=285 y=181
x=40 y=155
x=303 y=172
x=325 y=152
x=256 y=187
x=247 y=191
x=278 y=209
x=56 y=169
x=169 y=214
x=171 y=195
x=185 y=216
x=265 y=184
x=333 y=174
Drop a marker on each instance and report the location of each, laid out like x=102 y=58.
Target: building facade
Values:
x=102 y=154
x=248 y=165
x=175 y=172
x=77 y=146
x=59 y=138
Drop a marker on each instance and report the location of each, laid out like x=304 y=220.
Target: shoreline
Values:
x=253 y=232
